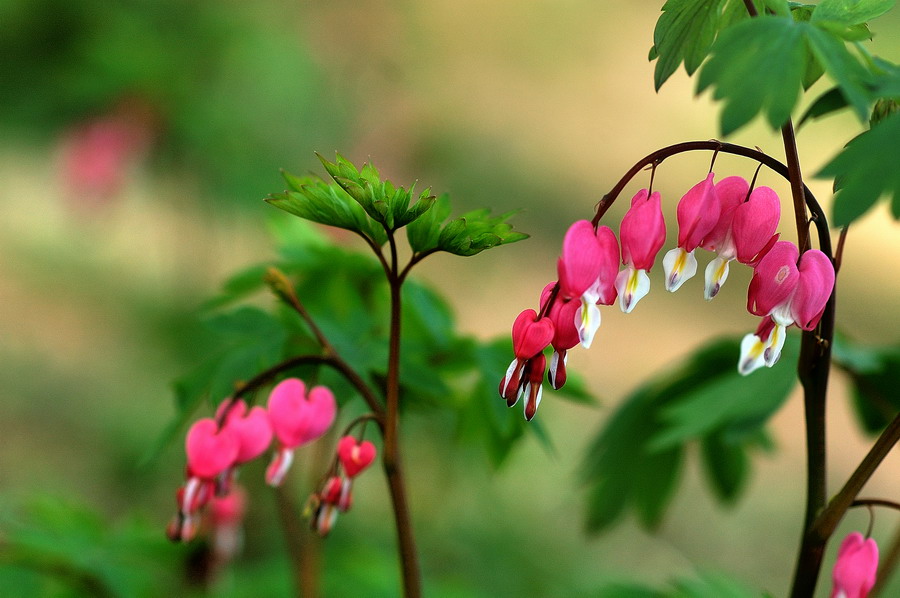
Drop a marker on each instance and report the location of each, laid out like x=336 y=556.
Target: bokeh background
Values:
x=137 y=139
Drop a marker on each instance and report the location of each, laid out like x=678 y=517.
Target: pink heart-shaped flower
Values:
x=296 y=418
x=254 y=430
x=210 y=451
x=355 y=456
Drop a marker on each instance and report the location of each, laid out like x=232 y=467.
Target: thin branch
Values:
x=416 y=258
x=875 y=502
x=332 y=361
x=797 y=187
x=839 y=253
x=825 y=524
x=820 y=219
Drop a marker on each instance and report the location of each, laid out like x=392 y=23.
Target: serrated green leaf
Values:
x=868 y=169
x=684 y=32
x=852 y=78
x=423 y=233
x=850 y=12
x=756 y=66
x=830 y=101
x=477 y=231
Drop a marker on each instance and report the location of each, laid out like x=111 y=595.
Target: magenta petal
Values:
x=755 y=221
x=297 y=419
x=643 y=231
x=774 y=279
x=255 y=432
x=856 y=567
x=609 y=265
x=731 y=192
x=210 y=451
x=813 y=289
x=698 y=214
x=530 y=335
x=355 y=456
x=579 y=265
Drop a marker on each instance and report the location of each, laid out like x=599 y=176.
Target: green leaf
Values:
x=850 y=12
x=625 y=590
x=830 y=101
x=326 y=204
x=382 y=200
x=712 y=584
x=852 y=78
x=721 y=398
x=874 y=373
x=425 y=232
x=868 y=169
x=726 y=466
x=477 y=231
x=756 y=66
x=684 y=32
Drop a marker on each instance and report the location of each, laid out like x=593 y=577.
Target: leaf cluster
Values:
x=635 y=459
x=761 y=65
x=359 y=201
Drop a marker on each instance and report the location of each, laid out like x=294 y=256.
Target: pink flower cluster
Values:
x=216 y=447
x=335 y=496
x=727 y=218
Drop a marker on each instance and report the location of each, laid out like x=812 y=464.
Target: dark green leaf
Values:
x=685 y=31
x=868 y=168
x=830 y=101
x=875 y=377
x=723 y=398
x=711 y=584
x=850 y=12
x=726 y=466
x=623 y=590
x=756 y=66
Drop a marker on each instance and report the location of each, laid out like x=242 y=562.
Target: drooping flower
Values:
x=745 y=230
x=856 y=566
x=297 y=418
x=355 y=456
x=697 y=213
x=530 y=336
x=565 y=315
x=784 y=292
x=253 y=428
x=642 y=233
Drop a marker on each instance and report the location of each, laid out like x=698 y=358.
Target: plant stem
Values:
x=302 y=551
x=393 y=469
x=796 y=178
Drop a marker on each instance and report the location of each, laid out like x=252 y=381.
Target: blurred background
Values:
x=137 y=140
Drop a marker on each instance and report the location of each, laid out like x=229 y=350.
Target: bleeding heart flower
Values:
x=856 y=566
x=355 y=456
x=698 y=214
x=297 y=419
x=210 y=450
x=253 y=429
x=642 y=232
x=530 y=336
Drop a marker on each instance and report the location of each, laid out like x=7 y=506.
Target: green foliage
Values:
x=55 y=549
x=756 y=66
x=759 y=65
x=706 y=584
x=865 y=170
x=635 y=459
x=476 y=231
x=874 y=374
x=360 y=201
x=384 y=202
x=685 y=31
